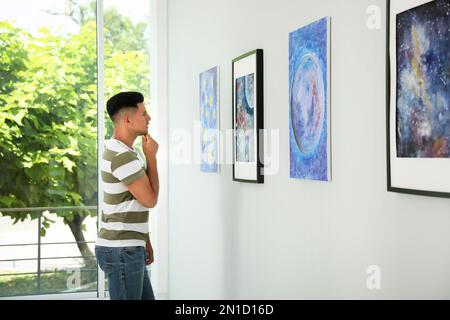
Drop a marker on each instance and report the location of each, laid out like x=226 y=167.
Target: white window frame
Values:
x=160 y=128
x=100 y=127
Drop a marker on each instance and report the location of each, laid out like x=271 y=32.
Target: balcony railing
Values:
x=79 y=276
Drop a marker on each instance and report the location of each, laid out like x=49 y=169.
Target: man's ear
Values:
x=126 y=118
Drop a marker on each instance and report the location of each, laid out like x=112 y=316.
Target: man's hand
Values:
x=149 y=249
x=149 y=146
x=149 y=189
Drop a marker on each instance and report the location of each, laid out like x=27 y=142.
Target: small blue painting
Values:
x=308 y=102
x=209 y=118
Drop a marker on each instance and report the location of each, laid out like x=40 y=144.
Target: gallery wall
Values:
x=286 y=238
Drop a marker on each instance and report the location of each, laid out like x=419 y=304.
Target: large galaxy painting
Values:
x=308 y=102
x=423 y=81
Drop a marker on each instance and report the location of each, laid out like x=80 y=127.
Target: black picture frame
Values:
x=406 y=175
x=244 y=66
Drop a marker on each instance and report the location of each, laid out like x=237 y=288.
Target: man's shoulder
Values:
x=111 y=150
x=114 y=147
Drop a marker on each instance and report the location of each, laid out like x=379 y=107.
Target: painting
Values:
x=247 y=77
x=209 y=120
x=418 y=108
x=245 y=119
x=309 y=102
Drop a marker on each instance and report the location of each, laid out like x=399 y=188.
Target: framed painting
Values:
x=209 y=120
x=248 y=120
x=418 y=99
x=309 y=102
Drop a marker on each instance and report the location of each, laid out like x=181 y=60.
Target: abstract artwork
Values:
x=245 y=119
x=309 y=102
x=248 y=117
x=209 y=119
x=423 y=86
x=419 y=97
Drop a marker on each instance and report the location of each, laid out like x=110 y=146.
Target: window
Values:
x=48 y=181
x=48 y=133
x=126 y=49
x=126 y=53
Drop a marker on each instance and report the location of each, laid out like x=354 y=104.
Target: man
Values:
x=123 y=247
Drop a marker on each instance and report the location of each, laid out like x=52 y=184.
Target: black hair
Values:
x=123 y=100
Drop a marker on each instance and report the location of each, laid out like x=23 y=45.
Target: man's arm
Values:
x=149 y=249
x=150 y=148
x=142 y=190
x=152 y=174
x=146 y=188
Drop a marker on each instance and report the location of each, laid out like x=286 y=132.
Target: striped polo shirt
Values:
x=124 y=220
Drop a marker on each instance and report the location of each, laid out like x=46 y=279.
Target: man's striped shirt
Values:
x=124 y=220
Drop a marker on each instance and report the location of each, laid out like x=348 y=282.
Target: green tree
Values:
x=48 y=113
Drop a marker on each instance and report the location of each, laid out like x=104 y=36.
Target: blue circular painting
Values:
x=307 y=104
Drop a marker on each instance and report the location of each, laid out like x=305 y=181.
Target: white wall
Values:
x=294 y=239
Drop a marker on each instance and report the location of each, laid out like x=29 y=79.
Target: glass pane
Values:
x=18 y=256
x=127 y=52
x=24 y=234
x=60 y=232
x=127 y=47
x=68 y=279
x=48 y=122
x=18 y=284
x=58 y=250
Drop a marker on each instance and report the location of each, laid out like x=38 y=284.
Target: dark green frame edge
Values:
x=390 y=188
x=259 y=109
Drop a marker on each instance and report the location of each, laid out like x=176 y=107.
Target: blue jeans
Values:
x=126 y=271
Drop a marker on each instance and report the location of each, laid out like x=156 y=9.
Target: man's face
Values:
x=139 y=120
